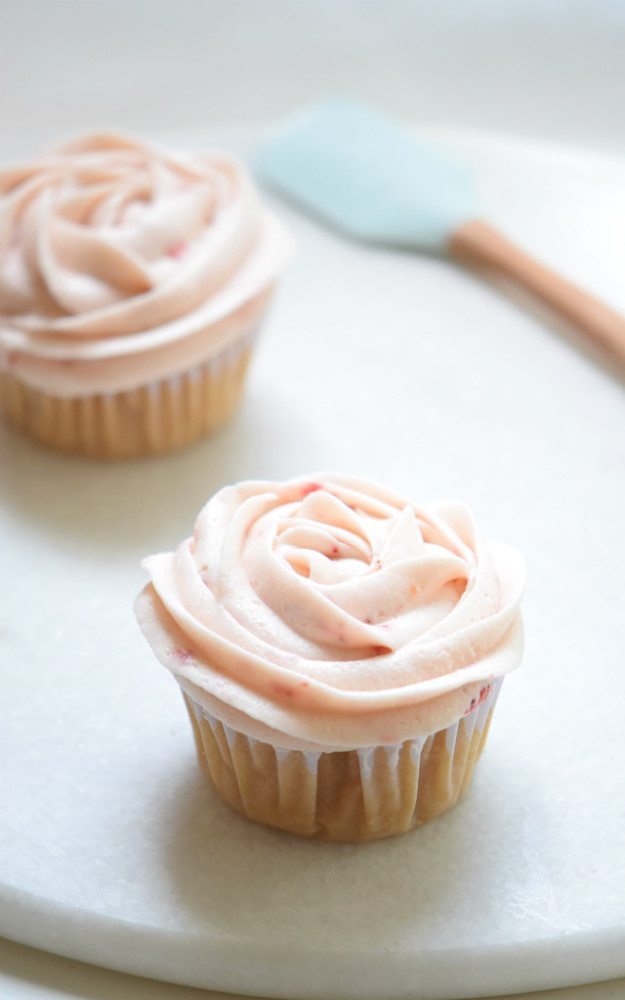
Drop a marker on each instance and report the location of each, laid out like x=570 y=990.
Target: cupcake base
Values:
x=148 y=420
x=354 y=795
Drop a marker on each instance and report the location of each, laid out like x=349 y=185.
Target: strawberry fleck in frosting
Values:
x=122 y=263
x=331 y=613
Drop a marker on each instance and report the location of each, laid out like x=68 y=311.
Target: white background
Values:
x=548 y=68
x=543 y=68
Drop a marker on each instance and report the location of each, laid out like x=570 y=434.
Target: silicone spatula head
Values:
x=361 y=172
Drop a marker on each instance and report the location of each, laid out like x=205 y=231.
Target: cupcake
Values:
x=339 y=648
x=132 y=285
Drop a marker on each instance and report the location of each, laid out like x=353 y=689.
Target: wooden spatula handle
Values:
x=477 y=242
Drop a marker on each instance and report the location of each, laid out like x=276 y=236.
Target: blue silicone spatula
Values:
x=359 y=171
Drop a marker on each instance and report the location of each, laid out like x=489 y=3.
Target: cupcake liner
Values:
x=156 y=417
x=353 y=795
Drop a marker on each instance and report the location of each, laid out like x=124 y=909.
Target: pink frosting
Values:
x=121 y=263
x=331 y=612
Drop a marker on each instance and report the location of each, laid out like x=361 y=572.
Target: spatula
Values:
x=361 y=172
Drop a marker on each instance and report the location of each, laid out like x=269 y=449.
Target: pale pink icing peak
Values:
x=114 y=249
x=332 y=612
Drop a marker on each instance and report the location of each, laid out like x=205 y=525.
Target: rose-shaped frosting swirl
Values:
x=111 y=247
x=333 y=612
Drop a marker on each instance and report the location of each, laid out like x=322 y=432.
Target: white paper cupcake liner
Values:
x=351 y=795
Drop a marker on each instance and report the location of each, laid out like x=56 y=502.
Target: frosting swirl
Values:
x=332 y=612
x=114 y=247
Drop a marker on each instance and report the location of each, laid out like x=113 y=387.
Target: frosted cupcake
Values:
x=132 y=284
x=339 y=648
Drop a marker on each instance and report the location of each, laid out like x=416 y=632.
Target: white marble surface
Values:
x=400 y=368
x=26 y=974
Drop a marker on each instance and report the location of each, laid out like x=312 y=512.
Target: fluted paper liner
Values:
x=157 y=417
x=352 y=795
